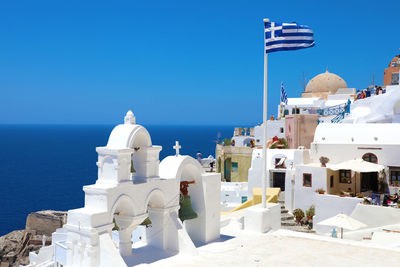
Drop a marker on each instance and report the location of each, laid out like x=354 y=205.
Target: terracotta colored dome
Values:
x=325 y=82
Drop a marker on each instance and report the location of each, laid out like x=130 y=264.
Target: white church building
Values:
x=133 y=185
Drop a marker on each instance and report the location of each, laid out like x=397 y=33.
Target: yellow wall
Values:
x=241 y=155
x=355 y=182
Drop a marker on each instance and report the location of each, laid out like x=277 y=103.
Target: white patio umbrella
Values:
x=343 y=221
x=357 y=165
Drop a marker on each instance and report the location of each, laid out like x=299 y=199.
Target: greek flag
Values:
x=287 y=36
x=283 y=95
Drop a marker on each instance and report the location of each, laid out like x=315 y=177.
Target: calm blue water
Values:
x=45 y=167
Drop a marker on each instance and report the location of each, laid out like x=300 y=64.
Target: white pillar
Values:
x=125 y=242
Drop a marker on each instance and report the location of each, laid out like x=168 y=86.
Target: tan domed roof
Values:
x=325 y=82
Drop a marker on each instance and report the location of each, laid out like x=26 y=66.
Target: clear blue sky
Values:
x=177 y=62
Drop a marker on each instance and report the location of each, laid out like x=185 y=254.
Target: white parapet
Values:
x=262 y=220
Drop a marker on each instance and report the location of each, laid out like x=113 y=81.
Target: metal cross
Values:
x=177 y=147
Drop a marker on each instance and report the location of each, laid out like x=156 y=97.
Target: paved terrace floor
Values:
x=283 y=249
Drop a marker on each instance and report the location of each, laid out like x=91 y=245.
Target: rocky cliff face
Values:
x=45 y=222
x=15 y=246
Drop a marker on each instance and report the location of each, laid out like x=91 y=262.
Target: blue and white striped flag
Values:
x=287 y=36
x=283 y=95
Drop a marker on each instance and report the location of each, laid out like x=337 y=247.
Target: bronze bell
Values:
x=186 y=211
x=147 y=222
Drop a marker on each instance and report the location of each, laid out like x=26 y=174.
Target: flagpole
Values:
x=264 y=152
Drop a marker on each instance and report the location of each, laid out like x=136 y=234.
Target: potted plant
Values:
x=396 y=183
x=298 y=214
x=279 y=143
x=320 y=191
x=324 y=161
x=341 y=193
x=310 y=212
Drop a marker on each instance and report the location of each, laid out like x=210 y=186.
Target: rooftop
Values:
x=359 y=133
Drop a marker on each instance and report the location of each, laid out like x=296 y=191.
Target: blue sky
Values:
x=177 y=62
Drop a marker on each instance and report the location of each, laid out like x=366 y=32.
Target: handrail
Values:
x=339 y=110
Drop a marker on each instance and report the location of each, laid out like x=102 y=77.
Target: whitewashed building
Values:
x=243 y=136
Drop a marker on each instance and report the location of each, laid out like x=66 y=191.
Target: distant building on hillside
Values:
x=392 y=72
x=233 y=162
x=234 y=159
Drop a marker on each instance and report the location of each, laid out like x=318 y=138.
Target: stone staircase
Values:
x=288 y=222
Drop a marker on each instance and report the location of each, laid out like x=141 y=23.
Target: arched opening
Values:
x=151 y=236
x=192 y=174
x=140 y=142
x=369 y=180
x=370 y=157
x=139 y=235
x=227 y=169
x=123 y=217
x=279 y=171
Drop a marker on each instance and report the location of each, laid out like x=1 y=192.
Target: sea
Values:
x=45 y=166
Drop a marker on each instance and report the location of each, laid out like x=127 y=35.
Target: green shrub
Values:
x=226 y=141
x=311 y=211
x=298 y=214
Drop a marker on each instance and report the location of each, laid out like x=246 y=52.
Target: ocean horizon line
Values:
x=112 y=124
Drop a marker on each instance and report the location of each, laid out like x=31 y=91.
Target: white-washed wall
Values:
x=304 y=195
x=327 y=206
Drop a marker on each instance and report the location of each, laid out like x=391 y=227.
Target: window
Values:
x=281 y=129
x=235 y=167
x=370 y=158
x=331 y=184
x=395 y=177
x=345 y=176
x=307 y=179
x=295 y=111
x=286 y=112
x=280 y=163
x=395 y=79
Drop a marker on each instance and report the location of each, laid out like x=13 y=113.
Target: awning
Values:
x=357 y=165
